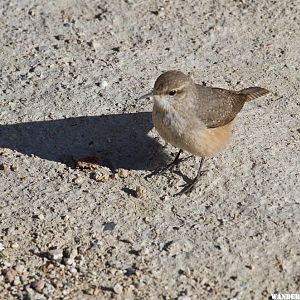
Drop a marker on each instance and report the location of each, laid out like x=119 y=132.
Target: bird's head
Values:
x=170 y=87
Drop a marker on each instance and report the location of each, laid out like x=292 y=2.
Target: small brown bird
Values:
x=196 y=118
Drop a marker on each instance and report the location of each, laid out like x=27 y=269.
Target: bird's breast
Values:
x=188 y=133
x=170 y=124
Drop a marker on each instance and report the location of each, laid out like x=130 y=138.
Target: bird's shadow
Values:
x=116 y=141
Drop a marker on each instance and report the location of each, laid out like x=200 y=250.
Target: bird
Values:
x=196 y=118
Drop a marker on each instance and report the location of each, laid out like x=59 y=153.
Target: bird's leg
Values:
x=188 y=187
x=169 y=166
x=172 y=164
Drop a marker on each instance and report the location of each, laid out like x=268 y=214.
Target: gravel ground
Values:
x=78 y=219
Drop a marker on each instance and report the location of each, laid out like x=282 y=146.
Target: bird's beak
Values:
x=148 y=95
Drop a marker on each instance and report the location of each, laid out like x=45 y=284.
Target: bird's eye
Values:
x=172 y=93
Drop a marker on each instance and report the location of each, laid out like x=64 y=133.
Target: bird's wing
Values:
x=217 y=107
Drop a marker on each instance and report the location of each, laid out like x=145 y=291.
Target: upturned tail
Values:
x=253 y=92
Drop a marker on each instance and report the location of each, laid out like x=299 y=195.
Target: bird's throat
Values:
x=163 y=103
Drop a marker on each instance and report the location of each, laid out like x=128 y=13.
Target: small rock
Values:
x=139 y=191
x=24 y=278
x=65 y=292
x=139 y=285
x=1 y=247
x=4 y=167
x=89 y=291
x=42 y=48
x=118 y=289
x=95 y=244
x=20 y=269
x=65 y=217
x=115 y=176
x=38 y=285
x=56 y=254
x=100 y=177
x=10 y=276
x=6 y=264
x=69 y=261
x=39 y=216
x=145 y=251
x=14 y=290
x=70 y=253
x=48 y=289
x=104 y=84
x=78 y=180
x=17 y=280
x=184 y=298
x=109 y=226
x=33 y=295
x=97 y=44
x=15 y=245
x=130 y=271
x=59 y=37
x=123 y=173
x=13 y=168
x=73 y=270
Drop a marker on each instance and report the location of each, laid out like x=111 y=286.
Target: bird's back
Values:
x=217 y=107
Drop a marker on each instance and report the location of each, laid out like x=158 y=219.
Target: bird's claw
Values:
x=189 y=187
x=162 y=170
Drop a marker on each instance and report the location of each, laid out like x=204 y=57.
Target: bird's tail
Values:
x=253 y=92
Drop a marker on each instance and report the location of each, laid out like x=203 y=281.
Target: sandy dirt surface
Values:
x=78 y=219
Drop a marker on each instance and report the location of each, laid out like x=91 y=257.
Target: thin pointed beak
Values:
x=148 y=95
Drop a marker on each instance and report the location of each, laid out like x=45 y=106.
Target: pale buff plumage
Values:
x=196 y=118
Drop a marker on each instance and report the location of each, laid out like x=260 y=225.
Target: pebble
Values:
x=104 y=84
x=184 y=298
x=10 y=276
x=123 y=173
x=1 y=247
x=15 y=245
x=4 y=167
x=110 y=226
x=78 y=180
x=48 y=289
x=70 y=253
x=38 y=285
x=73 y=270
x=140 y=284
x=13 y=168
x=118 y=289
x=41 y=217
x=97 y=44
x=139 y=191
x=145 y=251
x=24 y=278
x=65 y=217
x=59 y=37
x=130 y=271
x=56 y=254
x=69 y=261
x=32 y=295
x=100 y=177
x=17 y=280
x=6 y=264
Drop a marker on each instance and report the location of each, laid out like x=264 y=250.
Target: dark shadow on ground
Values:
x=117 y=141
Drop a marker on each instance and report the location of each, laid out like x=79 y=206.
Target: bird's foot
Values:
x=190 y=186
x=169 y=167
x=162 y=170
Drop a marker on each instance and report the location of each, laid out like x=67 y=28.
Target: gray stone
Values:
x=118 y=289
x=38 y=285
